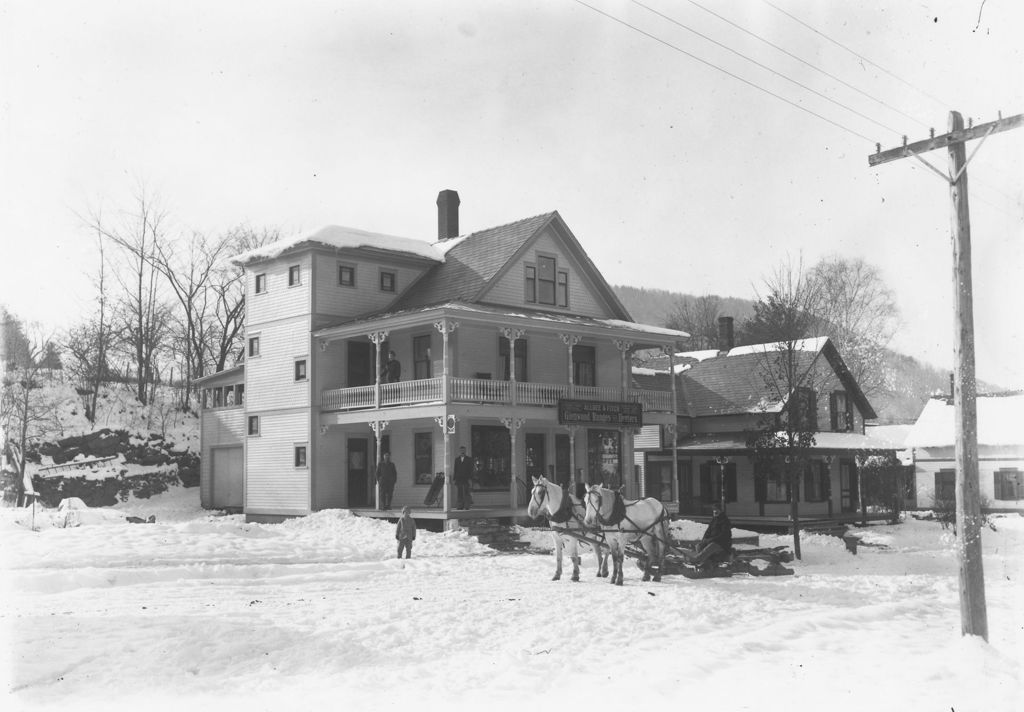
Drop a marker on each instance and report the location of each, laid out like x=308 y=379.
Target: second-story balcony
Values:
x=486 y=391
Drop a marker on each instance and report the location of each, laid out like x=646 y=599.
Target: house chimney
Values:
x=447 y=214
x=725 y=340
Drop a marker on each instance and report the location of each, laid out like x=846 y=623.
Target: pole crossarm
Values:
x=930 y=144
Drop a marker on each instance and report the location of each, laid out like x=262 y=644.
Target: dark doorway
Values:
x=360 y=493
x=536 y=460
x=848 y=495
x=562 y=467
x=361 y=358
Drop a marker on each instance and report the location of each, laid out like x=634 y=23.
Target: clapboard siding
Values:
x=273 y=483
x=217 y=428
x=329 y=472
x=280 y=300
x=270 y=377
x=509 y=289
x=366 y=296
x=476 y=351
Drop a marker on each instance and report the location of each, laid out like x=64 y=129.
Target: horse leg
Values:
x=558 y=555
x=574 y=554
x=645 y=543
x=618 y=558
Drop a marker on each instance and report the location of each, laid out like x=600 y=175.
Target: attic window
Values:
x=346 y=275
x=261 y=283
x=544 y=283
x=387 y=281
x=294 y=275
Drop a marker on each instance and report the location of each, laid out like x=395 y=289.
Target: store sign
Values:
x=581 y=412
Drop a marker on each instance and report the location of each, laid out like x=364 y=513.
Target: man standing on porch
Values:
x=463 y=473
x=387 y=475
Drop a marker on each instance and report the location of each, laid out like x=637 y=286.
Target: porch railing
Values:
x=479 y=390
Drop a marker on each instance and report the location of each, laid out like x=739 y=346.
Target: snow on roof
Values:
x=816 y=343
x=698 y=355
x=999 y=422
x=646 y=328
x=339 y=237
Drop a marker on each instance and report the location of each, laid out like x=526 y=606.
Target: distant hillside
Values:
x=909 y=382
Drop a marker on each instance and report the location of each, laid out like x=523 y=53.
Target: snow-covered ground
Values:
x=206 y=610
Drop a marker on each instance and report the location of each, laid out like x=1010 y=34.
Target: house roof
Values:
x=999 y=421
x=655 y=334
x=227 y=375
x=338 y=237
x=732 y=383
x=823 y=442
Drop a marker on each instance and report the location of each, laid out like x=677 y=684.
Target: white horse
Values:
x=564 y=512
x=624 y=522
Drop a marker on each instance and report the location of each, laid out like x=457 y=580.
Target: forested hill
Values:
x=909 y=383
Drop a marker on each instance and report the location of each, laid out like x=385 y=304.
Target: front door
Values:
x=536 y=462
x=361 y=358
x=562 y=459
x=848 y=495
x=359 y=473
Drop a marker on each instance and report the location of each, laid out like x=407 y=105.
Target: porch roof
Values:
x=651 y=335
x=228 y=375
x=823 y=443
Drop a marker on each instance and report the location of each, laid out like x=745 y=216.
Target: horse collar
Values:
x=618 y=512
x=564 y=512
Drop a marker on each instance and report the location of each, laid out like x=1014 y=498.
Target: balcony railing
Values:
x=478 y=390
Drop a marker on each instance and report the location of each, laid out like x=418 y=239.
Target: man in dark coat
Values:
x=392 y=371
x=717 y=542
x=463 y=473
x=387 y=475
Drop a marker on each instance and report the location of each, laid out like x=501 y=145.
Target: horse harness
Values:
x=565 y=511
x=619 y=515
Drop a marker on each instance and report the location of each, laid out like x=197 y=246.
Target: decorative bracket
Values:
x=447 y=422
x=446 y=327
x=513 y=424
x=324 y=429
x=512 y=334
x=323 y=344
x=378 y=337
x=670 y=428
x=570 y=339
x=379 y=426
x=623 y=345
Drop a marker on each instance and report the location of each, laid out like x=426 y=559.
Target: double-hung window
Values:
x=294 y=275
x=421 y=357
x=261 y=283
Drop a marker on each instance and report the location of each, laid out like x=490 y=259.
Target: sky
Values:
x=203 y=611
x=678 y=164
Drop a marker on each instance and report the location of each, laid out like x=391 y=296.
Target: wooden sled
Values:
x=749 y=562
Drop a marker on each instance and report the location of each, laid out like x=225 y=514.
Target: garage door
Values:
x=226 y=472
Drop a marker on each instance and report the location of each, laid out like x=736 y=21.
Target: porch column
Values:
x=674 y=430
x=378 y=427
x=445 y=327
x=447 y=425
x=378 y=338
x=512 y=335
x=861 y=461
x=624 y=347
x=573 y=429
x=570 y=340
x=513 y=425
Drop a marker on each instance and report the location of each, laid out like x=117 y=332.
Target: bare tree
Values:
x=858 y=311
x=141 y=316
x=88 y=345
x=699 y=318
x=24 y=408
x=228 y=286
x=784 y=318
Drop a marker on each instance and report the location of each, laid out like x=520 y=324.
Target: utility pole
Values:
x=973 y=614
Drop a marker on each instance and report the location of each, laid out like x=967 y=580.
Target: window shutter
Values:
x=849 y=412
x=826 y=482
x=833 y=410
x=730 y=482
x=705 y=482
x=760 y=486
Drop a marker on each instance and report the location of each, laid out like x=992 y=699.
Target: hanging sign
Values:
x=583 y=412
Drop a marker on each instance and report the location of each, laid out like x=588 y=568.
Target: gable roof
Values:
x=999 y=421
x=731 y=383
x=474 y=262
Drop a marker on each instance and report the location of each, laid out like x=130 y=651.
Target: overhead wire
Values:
x=765 y=67
x=801 y=60
x=854 y=53
x=723 y=71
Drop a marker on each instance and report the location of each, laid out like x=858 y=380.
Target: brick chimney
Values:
x=447 y=214
x=725 y=338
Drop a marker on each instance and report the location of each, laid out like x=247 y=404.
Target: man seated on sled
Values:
x=717 y=542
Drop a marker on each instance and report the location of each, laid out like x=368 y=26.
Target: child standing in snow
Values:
x=405 y=532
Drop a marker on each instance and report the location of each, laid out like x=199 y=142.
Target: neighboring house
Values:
x=723 y=397
x=510 y=343
x=1000 y=452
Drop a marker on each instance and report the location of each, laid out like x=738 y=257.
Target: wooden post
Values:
x=675 y=427
x=570 y=340
x=973 y=615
